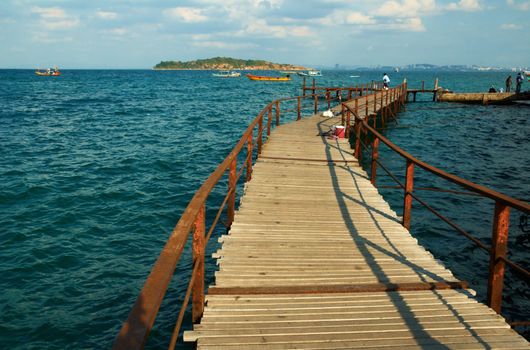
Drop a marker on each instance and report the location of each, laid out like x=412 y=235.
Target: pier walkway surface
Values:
x=316 y=259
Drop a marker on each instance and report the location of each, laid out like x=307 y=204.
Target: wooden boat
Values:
x=50 y=72
x=267 y=78
x=227 y=74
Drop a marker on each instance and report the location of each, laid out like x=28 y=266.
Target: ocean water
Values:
x=97 y=167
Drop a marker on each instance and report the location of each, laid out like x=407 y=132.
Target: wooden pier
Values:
x=315 y=258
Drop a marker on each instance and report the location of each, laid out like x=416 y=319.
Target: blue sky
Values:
x=141 y=33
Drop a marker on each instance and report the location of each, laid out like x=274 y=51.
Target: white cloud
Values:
x=49 y=12
x=358 y=18
x=402 y=24
x=406 y=8
x=521 y=5
x=465 y=5
x=186 y=14
x=106 y=15
x=511 y=26
x=54 y=18
x=346 y=17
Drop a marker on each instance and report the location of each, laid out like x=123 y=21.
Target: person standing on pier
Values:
x=518 y=82
x=508 y=83
x=386 y=81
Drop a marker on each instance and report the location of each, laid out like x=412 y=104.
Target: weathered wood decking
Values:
x=311 y=257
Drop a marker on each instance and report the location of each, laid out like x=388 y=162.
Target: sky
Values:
x=318 y=33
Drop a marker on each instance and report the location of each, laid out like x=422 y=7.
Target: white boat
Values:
x=311 y=73
x=227 y=74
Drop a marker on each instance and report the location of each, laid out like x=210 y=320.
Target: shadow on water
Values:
x=363 y=245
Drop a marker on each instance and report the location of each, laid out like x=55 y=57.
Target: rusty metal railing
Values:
x=135 y=330
x=365 y=133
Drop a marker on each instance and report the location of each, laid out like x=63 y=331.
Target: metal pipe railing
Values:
x=503 y=203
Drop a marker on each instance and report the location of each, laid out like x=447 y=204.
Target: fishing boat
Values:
x=50 y=72
x=268 y=78
x=227 y=74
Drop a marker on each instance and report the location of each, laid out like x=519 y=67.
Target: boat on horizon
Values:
x=227 y=74
x=268 y=78
x=310 y=73
x=50 y=72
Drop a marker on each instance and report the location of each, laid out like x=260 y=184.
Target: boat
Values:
x=227 y=74
x=310 y=73
x=268 y=78
x=50 y=72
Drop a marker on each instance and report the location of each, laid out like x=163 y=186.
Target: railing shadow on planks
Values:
x=136 y=329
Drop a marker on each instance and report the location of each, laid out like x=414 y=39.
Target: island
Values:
x=225 y=63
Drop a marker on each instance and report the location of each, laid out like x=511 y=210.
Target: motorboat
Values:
x=50 y=72
x=310 y=73
x=227 y=74
x=268 y=78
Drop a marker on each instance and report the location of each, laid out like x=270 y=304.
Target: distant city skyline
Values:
x=139 y=34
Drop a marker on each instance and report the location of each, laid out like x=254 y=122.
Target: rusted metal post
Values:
x=407 y=202
x=231 y=204
x=366 y=107
x=249 y=157
x=303 y=87
x=260 y=133
x=342 y=116
x=269 y=121
x=358 y=151
x=375 y=104
x=277 y=113
x=499 y=239
x=316 y=103
x=197 y=307
x=298 y=108
x=375 y=156
x=357 y=131
x=348 y=124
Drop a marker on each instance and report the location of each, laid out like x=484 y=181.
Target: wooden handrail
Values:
x=135 y=330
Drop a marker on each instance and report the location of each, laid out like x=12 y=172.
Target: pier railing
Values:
x=368 y=138
x=136 y=329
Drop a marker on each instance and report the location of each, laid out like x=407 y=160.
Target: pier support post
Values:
x=231 y=204
x=277 y=113
x=407 y=201
x=375 y=156
x=299 y=109
x=316 y=103
x=501 y=223
x=269 y=121
x=260 y=134
x=303 y=87
x=249 y=157
x=197 y=307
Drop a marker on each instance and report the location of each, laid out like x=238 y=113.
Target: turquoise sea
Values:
x=97 y=166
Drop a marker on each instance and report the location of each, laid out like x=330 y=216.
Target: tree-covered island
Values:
x=225 y=63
